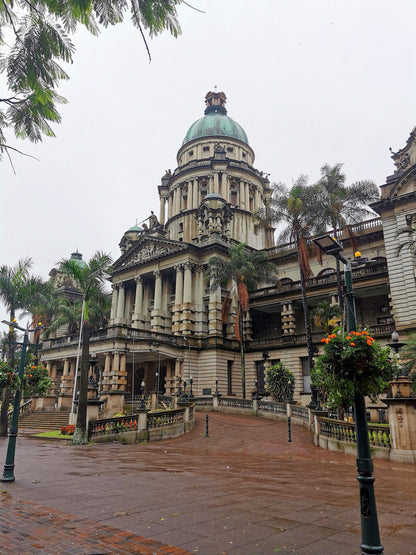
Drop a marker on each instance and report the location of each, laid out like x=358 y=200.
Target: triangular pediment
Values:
x=146 y=250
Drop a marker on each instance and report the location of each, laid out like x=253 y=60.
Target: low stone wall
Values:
x=143 y=426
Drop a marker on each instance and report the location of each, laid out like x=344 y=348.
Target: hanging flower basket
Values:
x=352 y=363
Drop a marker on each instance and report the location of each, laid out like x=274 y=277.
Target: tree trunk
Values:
x=308 y=330
x=81 y=433
x=6 y=393
x=242 y=353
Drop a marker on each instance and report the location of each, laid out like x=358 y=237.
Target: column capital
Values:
x=157 y=273
x=178 y=267
x=138 y=279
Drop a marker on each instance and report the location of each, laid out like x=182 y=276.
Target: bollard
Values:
x=289 y=430
x=206 y=426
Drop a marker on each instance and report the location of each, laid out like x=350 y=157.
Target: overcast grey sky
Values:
x=311 y=82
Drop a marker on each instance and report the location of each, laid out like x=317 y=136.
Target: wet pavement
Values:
x=244 y=490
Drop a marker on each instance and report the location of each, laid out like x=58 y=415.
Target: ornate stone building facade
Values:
x=166 y=325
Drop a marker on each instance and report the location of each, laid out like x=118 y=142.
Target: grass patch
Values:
x=54 y=434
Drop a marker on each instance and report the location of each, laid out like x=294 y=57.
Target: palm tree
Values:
x=66 y=313
x=240 y=273
x=342 y=205
x=89 y=278
x=297 y=209
x=325 y=315
x=18 y=290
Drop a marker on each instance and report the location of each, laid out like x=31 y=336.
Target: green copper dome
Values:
x=215 y=122
x=77 y=258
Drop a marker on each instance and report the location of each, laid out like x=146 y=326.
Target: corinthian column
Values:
x=158 y=290
x=138 y=301
x=178 y=300
x=114 y=300
x=120 y=305
x=162 y=211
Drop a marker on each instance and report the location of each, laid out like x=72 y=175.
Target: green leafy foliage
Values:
x=38 y=40
x=280 y=382
x=352 y=362
x=8 y=377
x=36 y=381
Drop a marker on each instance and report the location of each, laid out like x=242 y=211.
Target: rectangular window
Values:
x=306 y=374
x=230 y=377
x=260 y=377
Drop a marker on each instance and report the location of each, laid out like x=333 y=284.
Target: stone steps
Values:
x=44 y=420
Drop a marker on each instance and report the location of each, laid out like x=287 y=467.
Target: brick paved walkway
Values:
x=27 y=528
x=243 y=491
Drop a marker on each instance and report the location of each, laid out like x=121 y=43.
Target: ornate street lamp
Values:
x=142 y=386
x=370 y=535
x=8 y=472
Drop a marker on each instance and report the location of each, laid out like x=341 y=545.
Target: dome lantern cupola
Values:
x=216 y=122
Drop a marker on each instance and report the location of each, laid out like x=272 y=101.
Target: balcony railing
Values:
x=379 y=436
x=355 y=229
x=366 y=270
x=378 y=330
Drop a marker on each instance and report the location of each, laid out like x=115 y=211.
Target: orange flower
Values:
x=33 y=367
x=323 y=340
x=30 y=375
x=348 y=337
x=352 y=344
x=365 y=332
x=369 y=342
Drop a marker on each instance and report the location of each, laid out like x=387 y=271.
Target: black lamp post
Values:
x=370 y=535
x=8 y=472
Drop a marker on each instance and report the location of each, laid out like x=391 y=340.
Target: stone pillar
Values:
x=65 y=391
x=190 y=203
x=288 y=319
x=115 y=370
x=211 y=184
x=200 y=317
x=120 y=319
x=177 y=308
x=216 y=183
x=187 y=314
x=114 y=301
x=138 y=320
x=106 y=376
x=122 y=375
x=170 y=202
x=402 y=420
x=195 y=195
x=247 y=194
x=243 y=200
x=157 y=320
x=177 y=200
x=214 y=320
x=178 y=373
x=162 y=210
x=158 y=290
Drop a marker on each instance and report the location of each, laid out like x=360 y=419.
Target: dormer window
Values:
x=205 y=148
x=190 y=153
x=230 y=149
